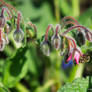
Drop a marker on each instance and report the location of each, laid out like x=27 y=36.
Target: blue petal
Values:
x=67 y=65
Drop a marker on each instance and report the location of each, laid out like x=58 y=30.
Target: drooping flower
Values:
x=66 y=65
x=75 y=55
x=74 y=52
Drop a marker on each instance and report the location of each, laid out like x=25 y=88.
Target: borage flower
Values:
x=74 y=52
x=75 y=55
x=67 y=65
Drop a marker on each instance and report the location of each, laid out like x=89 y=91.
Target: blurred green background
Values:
x=27 y=69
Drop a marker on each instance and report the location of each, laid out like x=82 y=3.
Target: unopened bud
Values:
x=18 y=35
x=2 y=21
x=56 y=41
x=89 y=36
x=81 y=38
x=45 y=48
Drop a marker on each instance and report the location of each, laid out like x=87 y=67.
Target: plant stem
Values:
x=76 y=72
x=79 y=71
x=21 y=88
x=76 y=7
x=57 y=10
x=90 y=84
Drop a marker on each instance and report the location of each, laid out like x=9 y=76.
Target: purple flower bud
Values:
x=81 y=38
x=56 y=41
x=18 y=35
x=89 y=36
x=2 y=21
x=45 y=48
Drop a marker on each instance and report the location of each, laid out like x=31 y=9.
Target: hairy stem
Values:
x=69 y=17
x=71 y=28
x=57 y=28
x=69 y=22
x=50 y=26
x=18 y=20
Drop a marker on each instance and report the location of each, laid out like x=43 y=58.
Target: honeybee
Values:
x=84 y=59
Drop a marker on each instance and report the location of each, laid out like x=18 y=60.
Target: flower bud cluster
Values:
x=74 y=52
x=56 y=41
x=13 y=22
x=5 y=28
x=3 y=22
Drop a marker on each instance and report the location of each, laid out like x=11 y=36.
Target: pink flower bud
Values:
x=77 y=57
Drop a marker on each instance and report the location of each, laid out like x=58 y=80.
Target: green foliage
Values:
x=15 y=68
x=86 y=18
x=24 y=68
x=78 y=85
x=3 y=89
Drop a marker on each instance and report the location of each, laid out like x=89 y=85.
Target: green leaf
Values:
x=15 y=68
x=86 y=18
x=41 y=17
x=78 y=85
x=3 y=89
x=31 y=62
x=65 y=7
